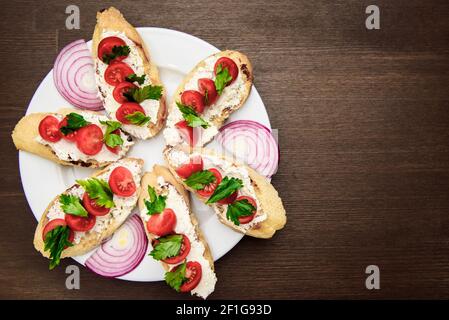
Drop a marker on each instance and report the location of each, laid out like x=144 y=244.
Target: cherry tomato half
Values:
x=250 y=218
x=182 y=254
x=193 y=99
x=126 y=109
x=121 y=182
x=227 y=63
x=49 y=129
x=78 y=223
x=229 y=199
x=120 y=89
x=193 y=275
x=92 y=207
x=195 y=164
x=105 y=47
x=162 y=224
x=210 y=188
x=207 y=89
x=56 y=223
x=70 y=136
x=116 y=73
x=89 y=139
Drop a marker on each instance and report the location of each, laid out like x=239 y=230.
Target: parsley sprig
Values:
x=135 y=78
x=226 y=187
x=200 y=179
x=98 y=190
x=138 y=118
x=177 y=276
x=56 y=241
x=140 y=94
x=192 y=118
x=117 y=51
x=71 y=204
x=112 y=139
x=156 y=203
x=240 y=208
x=75 y=121
x=222 y=78
x=167 y=247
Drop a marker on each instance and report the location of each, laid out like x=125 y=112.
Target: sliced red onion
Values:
x=123 y=252
x=253 y=143
x=74 y=76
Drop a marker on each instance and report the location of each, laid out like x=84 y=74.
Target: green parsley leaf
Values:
x=226 y=187
x=135 y=78
x=240 y=208
x=112 y=139
x=192 y=118
x=117 y=51
x=176 y=277
x=99 y=190
x=200 y=179
x=137 y=118
x=72 y=205
x=56 y=241
x=167 y=247
x=222 y=78
x=75 y=121
x=140 y=94
x=156 y=203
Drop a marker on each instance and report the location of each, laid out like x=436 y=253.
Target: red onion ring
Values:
x=261 y=148
x=113 y=259
x=73 y=75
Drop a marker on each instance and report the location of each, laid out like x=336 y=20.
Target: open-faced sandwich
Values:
x=127 y=78
x=88 y=212
x=174 y=233
x=72 y=137
x=242 y=198
x=215 y=88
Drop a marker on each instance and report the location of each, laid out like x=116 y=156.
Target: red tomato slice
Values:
x=121 y=182
x=89 y=139
x=210 y=188
x=195 y=164
x=162 y=224
x=70 y=136
x=116 y=149
x=193 y=99
x=49 y=129
x=227 y=63
x=82 y=224
x=183 y=252
x=92 y=207
x=193 y=275
x=116 y=73
x=105 y=47
x=208 y=90
x=127 y=108
x=229 y=199
x=120 y=89
x=187 y=132
x=56 y=223
x=250 y=218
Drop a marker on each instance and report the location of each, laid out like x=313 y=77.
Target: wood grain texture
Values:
x=363 y=127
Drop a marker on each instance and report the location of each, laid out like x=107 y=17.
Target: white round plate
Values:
x=175 y=53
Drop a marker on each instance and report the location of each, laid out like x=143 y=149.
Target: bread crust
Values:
x=27 y=129
x=244 y=66
x=150 y=179
x=88 y=242
x=112 y=19
x=267 y=195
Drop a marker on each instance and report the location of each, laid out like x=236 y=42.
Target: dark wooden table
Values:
x=363 y=128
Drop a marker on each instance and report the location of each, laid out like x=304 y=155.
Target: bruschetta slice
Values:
x=126 y=76
x=72 y=137
x=174 y=233
x=243 y=199
x=215 y=88
x=88 y=212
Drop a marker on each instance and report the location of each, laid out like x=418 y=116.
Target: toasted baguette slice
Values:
x=112 y=20
x=232 y=98
x=271 y=215
x=161 y=176
x=92 y=239
x=26 y=133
